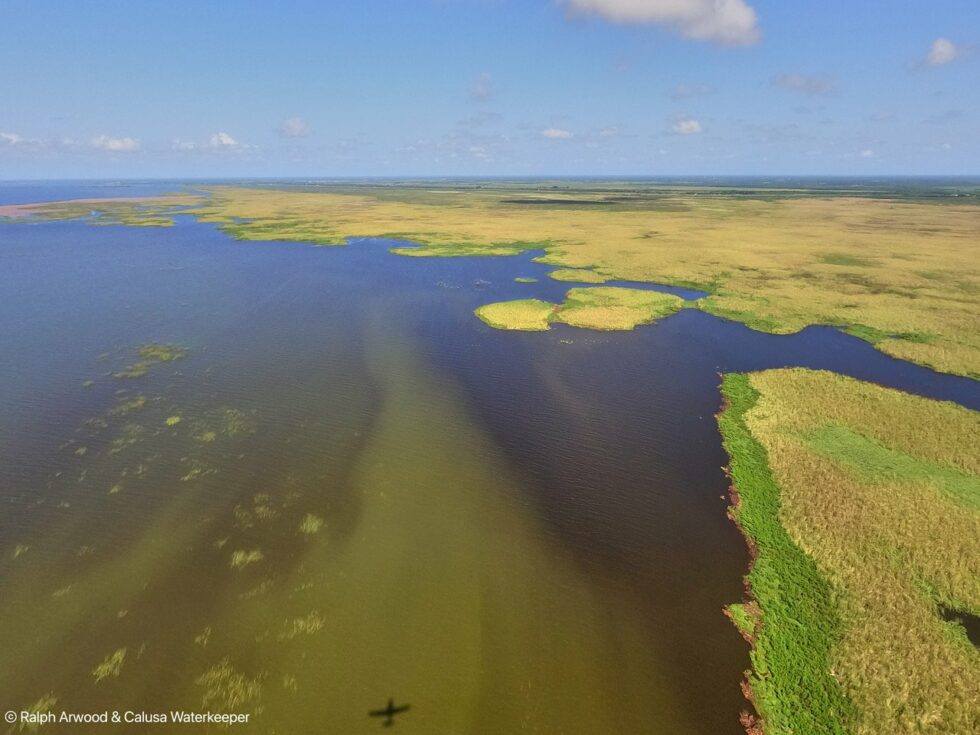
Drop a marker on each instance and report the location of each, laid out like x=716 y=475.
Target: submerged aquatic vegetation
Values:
x=306 y=625
x=228 y=690
x=150 y=355
x=311 y=524
x=861 y=503
x=42 y=706
x=110 y=666
x=242 y=558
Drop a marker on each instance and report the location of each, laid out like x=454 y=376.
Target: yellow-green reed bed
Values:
x=601 y=308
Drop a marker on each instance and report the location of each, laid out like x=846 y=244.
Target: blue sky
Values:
x=488 y=87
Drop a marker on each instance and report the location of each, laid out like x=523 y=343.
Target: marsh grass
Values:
x=863 y=256
x=600 y=308
x=530 y=315
x=612 y=308
x=577 y=275
x=861 y=503
x=886 y=262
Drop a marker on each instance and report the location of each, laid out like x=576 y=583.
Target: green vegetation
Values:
x=577 y=275
x=525 y=279
x=861 y=505
x=790 y=681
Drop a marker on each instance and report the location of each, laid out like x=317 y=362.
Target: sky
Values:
x=295 y=88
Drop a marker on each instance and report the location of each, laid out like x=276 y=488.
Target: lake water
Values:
x=351 y=490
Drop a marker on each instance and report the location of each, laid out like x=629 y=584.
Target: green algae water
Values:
x=297 y=483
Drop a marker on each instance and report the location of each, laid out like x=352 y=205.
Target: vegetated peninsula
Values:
x=892 y=267
x=862 y=507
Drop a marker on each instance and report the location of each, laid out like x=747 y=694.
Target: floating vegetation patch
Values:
x=110 y=666
x=173 y=420
x=242 y=558
x=310 y=525
x=129 y=435
x=42 y=706
x=128 y=405
x=227 y=690
x=150 y=355
x=196 y=468
x=525 y=279
x=306 y=625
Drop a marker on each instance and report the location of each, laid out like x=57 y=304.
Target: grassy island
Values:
x=862 y=507
x=602 y=308
x=529 y=315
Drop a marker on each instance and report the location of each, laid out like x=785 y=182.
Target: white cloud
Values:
x=728 y=22
x=293 y=127
x=222 y=141
x=482 y=86
x=686 y=126
x=867 y=153
x=812 y=86
x=942 y=52
x=557 y=134
x=115 y=145
x=11 y=138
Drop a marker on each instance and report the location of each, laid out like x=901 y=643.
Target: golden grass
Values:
x=531 y=315
x=880 y=489
x=593 y=307
x=611 y=308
